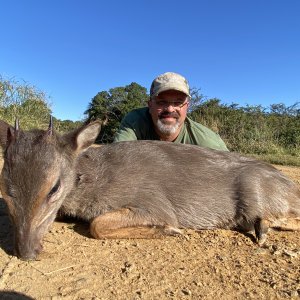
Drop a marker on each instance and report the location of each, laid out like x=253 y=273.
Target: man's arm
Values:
x=219 y=144
x=134 y=126
x=205 y=137
x=125 y=134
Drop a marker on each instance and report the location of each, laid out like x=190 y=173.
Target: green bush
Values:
x=253 y=129
x=272 y=133
x=24 y=102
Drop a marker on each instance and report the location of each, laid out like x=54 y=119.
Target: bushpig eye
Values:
x=54 y=189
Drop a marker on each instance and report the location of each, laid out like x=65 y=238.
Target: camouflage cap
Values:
x=169 y=81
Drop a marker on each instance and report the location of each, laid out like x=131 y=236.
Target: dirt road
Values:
x=207 y=265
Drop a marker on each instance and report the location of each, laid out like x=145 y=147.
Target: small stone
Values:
x=221 y=258
x=273 y=285
x=261 y=251
x=80 y=282
x=294 y=293
x=127 y=267
x=291 y=253
x=139 y=293
x=170 y=293
x=186 y=292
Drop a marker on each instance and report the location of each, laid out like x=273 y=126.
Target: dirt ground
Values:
x=206 y=265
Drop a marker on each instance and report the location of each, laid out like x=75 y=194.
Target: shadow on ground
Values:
x=6 y=230
x=11 y=295
x=79 y=226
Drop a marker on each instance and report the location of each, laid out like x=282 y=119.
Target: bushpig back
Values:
x=184 y=185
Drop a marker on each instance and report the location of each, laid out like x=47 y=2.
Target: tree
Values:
x=25 y=102
x=196 y=99
x=63 y=126
x=111 y=106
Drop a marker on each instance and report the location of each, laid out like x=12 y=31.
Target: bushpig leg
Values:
x=129 y=223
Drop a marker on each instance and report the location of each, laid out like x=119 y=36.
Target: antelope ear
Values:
x=6 y=133
x=87 y=135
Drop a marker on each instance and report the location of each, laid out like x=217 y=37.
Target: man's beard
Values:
x=167 y=129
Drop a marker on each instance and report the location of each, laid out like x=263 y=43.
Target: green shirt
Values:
x=138 y=125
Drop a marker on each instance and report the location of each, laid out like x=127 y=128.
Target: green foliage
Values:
x=112 y=106
x=271 y=133
x=29 y=105
x=196 y=99
x=63 y=126
x=279 y=159
x=253 y=129
x=23 y=101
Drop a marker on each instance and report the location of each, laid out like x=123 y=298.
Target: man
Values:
x=166 y=119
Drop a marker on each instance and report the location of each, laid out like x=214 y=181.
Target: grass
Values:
x=278 y=159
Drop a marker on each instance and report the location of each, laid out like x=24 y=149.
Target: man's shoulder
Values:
x=204 y=136
x=137 y=124
x=199 y=127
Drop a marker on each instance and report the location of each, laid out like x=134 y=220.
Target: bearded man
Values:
x=166 y=119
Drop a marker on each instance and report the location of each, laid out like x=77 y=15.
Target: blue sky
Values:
x=246 y=52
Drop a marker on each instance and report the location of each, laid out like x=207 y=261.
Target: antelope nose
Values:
x=25 y=253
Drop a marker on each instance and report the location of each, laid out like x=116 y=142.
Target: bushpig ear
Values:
x=6 y=131
x=87 y=135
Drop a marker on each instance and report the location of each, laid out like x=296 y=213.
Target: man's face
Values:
x=168 y=111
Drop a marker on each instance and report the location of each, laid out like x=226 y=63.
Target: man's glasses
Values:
x=162 y=104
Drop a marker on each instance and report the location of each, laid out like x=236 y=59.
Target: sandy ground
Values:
x=206 y=265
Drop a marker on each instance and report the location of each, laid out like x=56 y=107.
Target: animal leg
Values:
x=261 y=228
x=287 y=224
x=129 y=223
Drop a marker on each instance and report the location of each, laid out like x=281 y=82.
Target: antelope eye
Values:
x=54 y=189
x=10 y=191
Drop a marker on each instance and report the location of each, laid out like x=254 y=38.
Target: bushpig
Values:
x=138 y=189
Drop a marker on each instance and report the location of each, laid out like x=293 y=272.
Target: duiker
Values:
x=141 y=189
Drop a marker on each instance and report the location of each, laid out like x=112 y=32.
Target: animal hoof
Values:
x=262 y=240
x=169 y=230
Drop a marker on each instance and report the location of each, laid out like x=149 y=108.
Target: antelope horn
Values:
x=17 y=125
x=50 y=128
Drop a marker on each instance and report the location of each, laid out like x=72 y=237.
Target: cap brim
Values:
x=171 y=88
